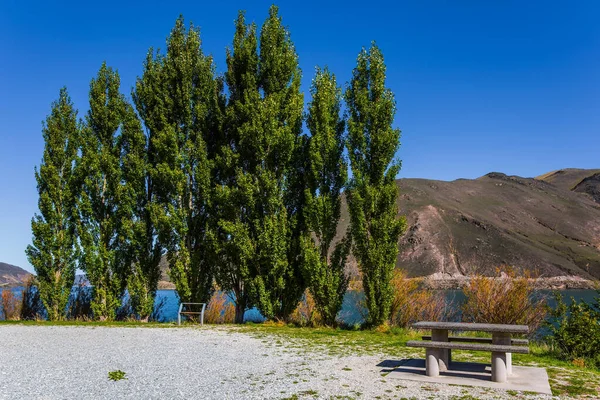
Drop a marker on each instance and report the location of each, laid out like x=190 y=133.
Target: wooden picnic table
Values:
x=501 y=345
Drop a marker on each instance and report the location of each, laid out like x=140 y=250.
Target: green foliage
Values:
x=116 y=375
x=575 y=330
x=53 y=253
x=258 y=228
x=100 y=209
x=234 y=200
x=278 y=284
x=180 y=100
x=372 y=192
x=326 y=176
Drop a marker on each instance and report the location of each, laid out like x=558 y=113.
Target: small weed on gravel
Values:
x=116 y=375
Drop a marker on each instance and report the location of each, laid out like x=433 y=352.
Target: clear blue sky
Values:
x=511 y=86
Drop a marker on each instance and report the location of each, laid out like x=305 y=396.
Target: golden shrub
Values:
x=507 y=299
x=306 y=313
x=412 y=302
x=219 y=309
x=10 y=306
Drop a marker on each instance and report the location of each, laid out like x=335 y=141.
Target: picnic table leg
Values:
x=432 y=367
x=500 y=359
x=441 y=335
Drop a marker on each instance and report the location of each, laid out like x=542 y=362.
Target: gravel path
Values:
x=68 y=362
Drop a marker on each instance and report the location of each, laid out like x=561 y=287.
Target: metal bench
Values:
x=187 y=312
x=439 y=345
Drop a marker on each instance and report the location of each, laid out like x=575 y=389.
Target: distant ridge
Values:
x=11 y=275
x=577 y=180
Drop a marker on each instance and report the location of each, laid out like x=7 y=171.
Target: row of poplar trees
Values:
x=214 y=172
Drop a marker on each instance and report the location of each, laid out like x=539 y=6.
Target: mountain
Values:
x=11 y=275
x=549 y=225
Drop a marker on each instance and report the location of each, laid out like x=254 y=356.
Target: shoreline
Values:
x=550 y=283
x=437 y=282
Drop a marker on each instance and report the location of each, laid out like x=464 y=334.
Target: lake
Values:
x=351 y=311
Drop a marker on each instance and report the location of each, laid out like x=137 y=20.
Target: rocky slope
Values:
x=549 y=225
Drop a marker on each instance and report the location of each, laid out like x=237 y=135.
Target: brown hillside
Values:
x=474 y=226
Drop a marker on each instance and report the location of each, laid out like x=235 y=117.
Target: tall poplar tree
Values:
x=53 y=253
x=184 y=117
x=100 y=208
x=327 y=174
x=259 y=223
x=277 y=283
x=235 y=202
x=372 y=193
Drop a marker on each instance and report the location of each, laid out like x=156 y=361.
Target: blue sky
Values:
x=481 y=86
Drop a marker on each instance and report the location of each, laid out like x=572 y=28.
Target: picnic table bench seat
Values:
x=470 y=339
x=468 y=346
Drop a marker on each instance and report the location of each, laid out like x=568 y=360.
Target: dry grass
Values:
x=10 y=307
x=413 y=303
x=508 y=299
x=219 y=309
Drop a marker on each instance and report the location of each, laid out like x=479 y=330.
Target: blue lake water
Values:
x=352 y=312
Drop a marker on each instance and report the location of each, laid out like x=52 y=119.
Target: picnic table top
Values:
x=467 y=326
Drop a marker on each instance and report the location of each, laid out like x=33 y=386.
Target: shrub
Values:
x=219 y=309
x=508 y=299
x=306 y=313
x=412 y=302
x=575 y=331
x=32 y=307
x=11 y=306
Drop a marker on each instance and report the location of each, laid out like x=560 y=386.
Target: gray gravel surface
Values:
x=72 y=362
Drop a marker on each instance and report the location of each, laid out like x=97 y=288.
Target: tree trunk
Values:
x=240 y=307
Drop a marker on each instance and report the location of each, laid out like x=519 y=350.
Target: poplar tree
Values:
x=99 y=205
x=372 y=193
x=260 y=224
x=277 y=282
x=183 y=115
x=53 y=253
x=327 y=174
x=235 y=202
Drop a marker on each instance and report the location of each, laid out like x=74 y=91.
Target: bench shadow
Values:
x=457 y=368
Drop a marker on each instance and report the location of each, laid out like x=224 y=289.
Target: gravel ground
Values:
x=69 y=362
